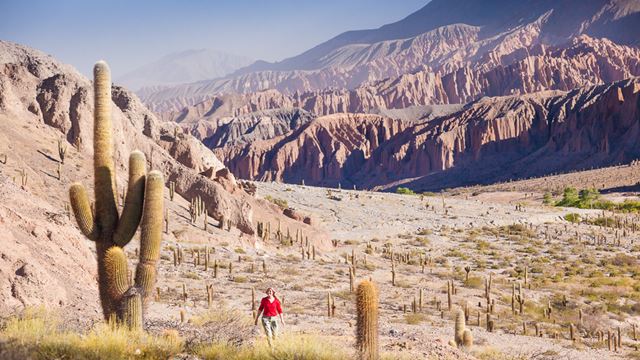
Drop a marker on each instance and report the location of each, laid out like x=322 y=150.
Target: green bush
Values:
x=573 y=217
x=404 y=191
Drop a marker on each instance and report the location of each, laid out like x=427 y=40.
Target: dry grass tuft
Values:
x=37 y=335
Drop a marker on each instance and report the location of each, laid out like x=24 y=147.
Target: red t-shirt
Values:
x=270 y=308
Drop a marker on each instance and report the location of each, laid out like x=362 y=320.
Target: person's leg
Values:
x=274 y=327
x=266 y=324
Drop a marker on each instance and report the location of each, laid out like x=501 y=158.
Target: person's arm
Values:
x=258 y=316
x=280 y=313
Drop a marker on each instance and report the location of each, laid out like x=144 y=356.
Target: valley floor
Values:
x=485 y=232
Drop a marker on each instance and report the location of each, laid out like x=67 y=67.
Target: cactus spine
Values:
x=367 y=320
x=119 y=298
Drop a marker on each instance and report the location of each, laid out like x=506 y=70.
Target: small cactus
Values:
x=62 y=150
x=467 y=339
x=172 y=189
x=367 y=321
x=459 y=327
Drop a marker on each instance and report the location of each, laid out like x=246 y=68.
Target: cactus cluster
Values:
x=196 y=209
x=462 y=336
x=121 y=298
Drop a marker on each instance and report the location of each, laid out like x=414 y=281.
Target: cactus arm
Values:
x=132 y=309
x=117 y=279
x=82 y=211
x=151 y=234
x=105 y=194
x=132 y=212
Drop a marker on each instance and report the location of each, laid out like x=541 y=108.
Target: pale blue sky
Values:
x=131 y=33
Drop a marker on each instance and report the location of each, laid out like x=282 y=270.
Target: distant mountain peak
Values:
x=185 y=66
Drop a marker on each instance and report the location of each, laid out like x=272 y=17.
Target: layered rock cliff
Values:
x=325 y=151
x=488 y=140
x=582 y=62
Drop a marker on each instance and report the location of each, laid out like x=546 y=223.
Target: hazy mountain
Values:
x=184 y=67
x=450 y=51
x=617 y=20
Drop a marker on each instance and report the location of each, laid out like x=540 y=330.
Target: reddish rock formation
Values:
x=291 y=213
x=326 y=150
x=490 y=139
x=428 y=71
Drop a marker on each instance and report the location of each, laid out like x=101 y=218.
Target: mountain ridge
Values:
x=440 y=48
x=183 y=67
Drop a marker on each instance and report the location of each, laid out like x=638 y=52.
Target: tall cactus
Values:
x=367 y=321
x=112 y=231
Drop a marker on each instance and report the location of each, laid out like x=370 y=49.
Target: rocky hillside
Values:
x=43 y=102
x=488 y=140
x=448 y=52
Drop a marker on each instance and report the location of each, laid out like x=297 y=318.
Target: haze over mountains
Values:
x=450 y=52
x=183 y=67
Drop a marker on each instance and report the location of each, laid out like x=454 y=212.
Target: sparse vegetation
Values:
x=280 y=202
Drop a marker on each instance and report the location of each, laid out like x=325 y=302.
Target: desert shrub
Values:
x=421 y=241
x=474 y=282
x=280 y=202
x=572 y=217
x=414 y=319
x=404 y=191
x=621 y=259
x=191 y=275
x=240 y=279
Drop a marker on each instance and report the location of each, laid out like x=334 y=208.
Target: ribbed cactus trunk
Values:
x=119 y=298
x=459 y=327
x=367 y=321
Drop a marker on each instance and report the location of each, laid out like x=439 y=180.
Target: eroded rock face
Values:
x=488 y=140
x=243 y=129
x=325 y=151
x=43 y=259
